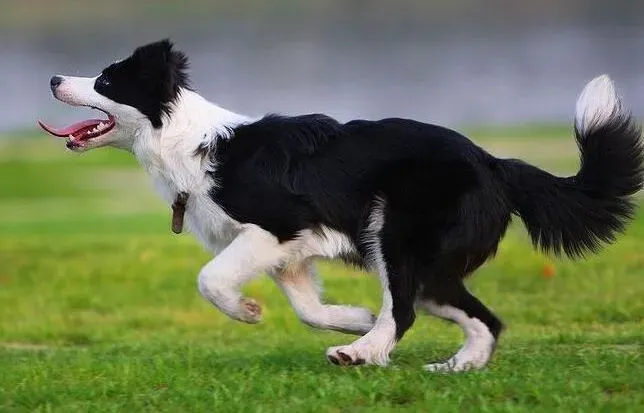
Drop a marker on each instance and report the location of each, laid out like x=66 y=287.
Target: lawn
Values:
x=99 y=310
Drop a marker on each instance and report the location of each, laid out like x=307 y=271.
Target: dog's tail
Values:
x=579 y=213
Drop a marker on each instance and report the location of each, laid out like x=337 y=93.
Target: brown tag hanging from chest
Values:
x=178 y=212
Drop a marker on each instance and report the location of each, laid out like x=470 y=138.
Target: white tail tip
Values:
x=597 y=105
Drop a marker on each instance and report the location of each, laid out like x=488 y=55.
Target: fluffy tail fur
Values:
x=579 y=213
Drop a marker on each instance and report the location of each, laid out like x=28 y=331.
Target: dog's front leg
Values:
x=302 y=288
x=254 y=250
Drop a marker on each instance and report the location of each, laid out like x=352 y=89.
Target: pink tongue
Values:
x=72 y=129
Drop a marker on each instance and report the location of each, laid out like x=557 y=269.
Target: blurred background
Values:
x=460 y=62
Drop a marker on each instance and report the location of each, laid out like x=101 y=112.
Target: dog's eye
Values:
x=103 y=81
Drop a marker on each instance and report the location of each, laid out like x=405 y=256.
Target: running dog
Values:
x=420 y=205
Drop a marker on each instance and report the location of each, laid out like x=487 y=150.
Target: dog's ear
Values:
x=163 y=67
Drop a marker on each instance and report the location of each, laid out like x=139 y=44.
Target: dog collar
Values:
x=178 y=211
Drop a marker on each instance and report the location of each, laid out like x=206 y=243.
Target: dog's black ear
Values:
x=164 y=67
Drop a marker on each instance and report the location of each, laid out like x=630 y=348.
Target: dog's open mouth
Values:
x=80 y=133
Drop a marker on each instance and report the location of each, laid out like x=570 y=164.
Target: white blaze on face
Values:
x=80 y=91
x=117 y=130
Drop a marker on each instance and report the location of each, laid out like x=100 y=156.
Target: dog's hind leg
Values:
x=481 y=327
x=301 y=286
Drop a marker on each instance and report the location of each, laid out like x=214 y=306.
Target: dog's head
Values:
x=135 y=93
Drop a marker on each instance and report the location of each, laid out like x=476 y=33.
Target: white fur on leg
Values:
x=479 y=341
x=252 y=251
x=597 y=104
x=300 y=284
x=375 y=346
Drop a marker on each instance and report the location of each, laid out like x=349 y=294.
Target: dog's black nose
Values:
x=55 y=82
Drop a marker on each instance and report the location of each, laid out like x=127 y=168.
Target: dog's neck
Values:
x=169 y=155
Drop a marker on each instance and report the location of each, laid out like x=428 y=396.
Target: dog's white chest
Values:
x=209 y=223
x=203 y=217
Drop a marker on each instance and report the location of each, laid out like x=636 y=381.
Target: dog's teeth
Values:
x=99 y=127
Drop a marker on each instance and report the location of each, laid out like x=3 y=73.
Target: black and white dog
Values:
x=418 y=204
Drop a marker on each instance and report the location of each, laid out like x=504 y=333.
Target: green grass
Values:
x=99 y=311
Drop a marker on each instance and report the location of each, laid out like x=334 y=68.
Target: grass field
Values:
x=99 y=310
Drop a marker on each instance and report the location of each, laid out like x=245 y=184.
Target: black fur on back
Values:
x=291 y=173
x=150 y=80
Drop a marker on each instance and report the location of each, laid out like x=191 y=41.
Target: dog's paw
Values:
x=358 y=353
x=458 y=363
x=474 y=355
x=250 y=311
x=344 y=356
x=449 y=366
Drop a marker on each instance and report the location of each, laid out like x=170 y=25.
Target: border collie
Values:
x=420 y=205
